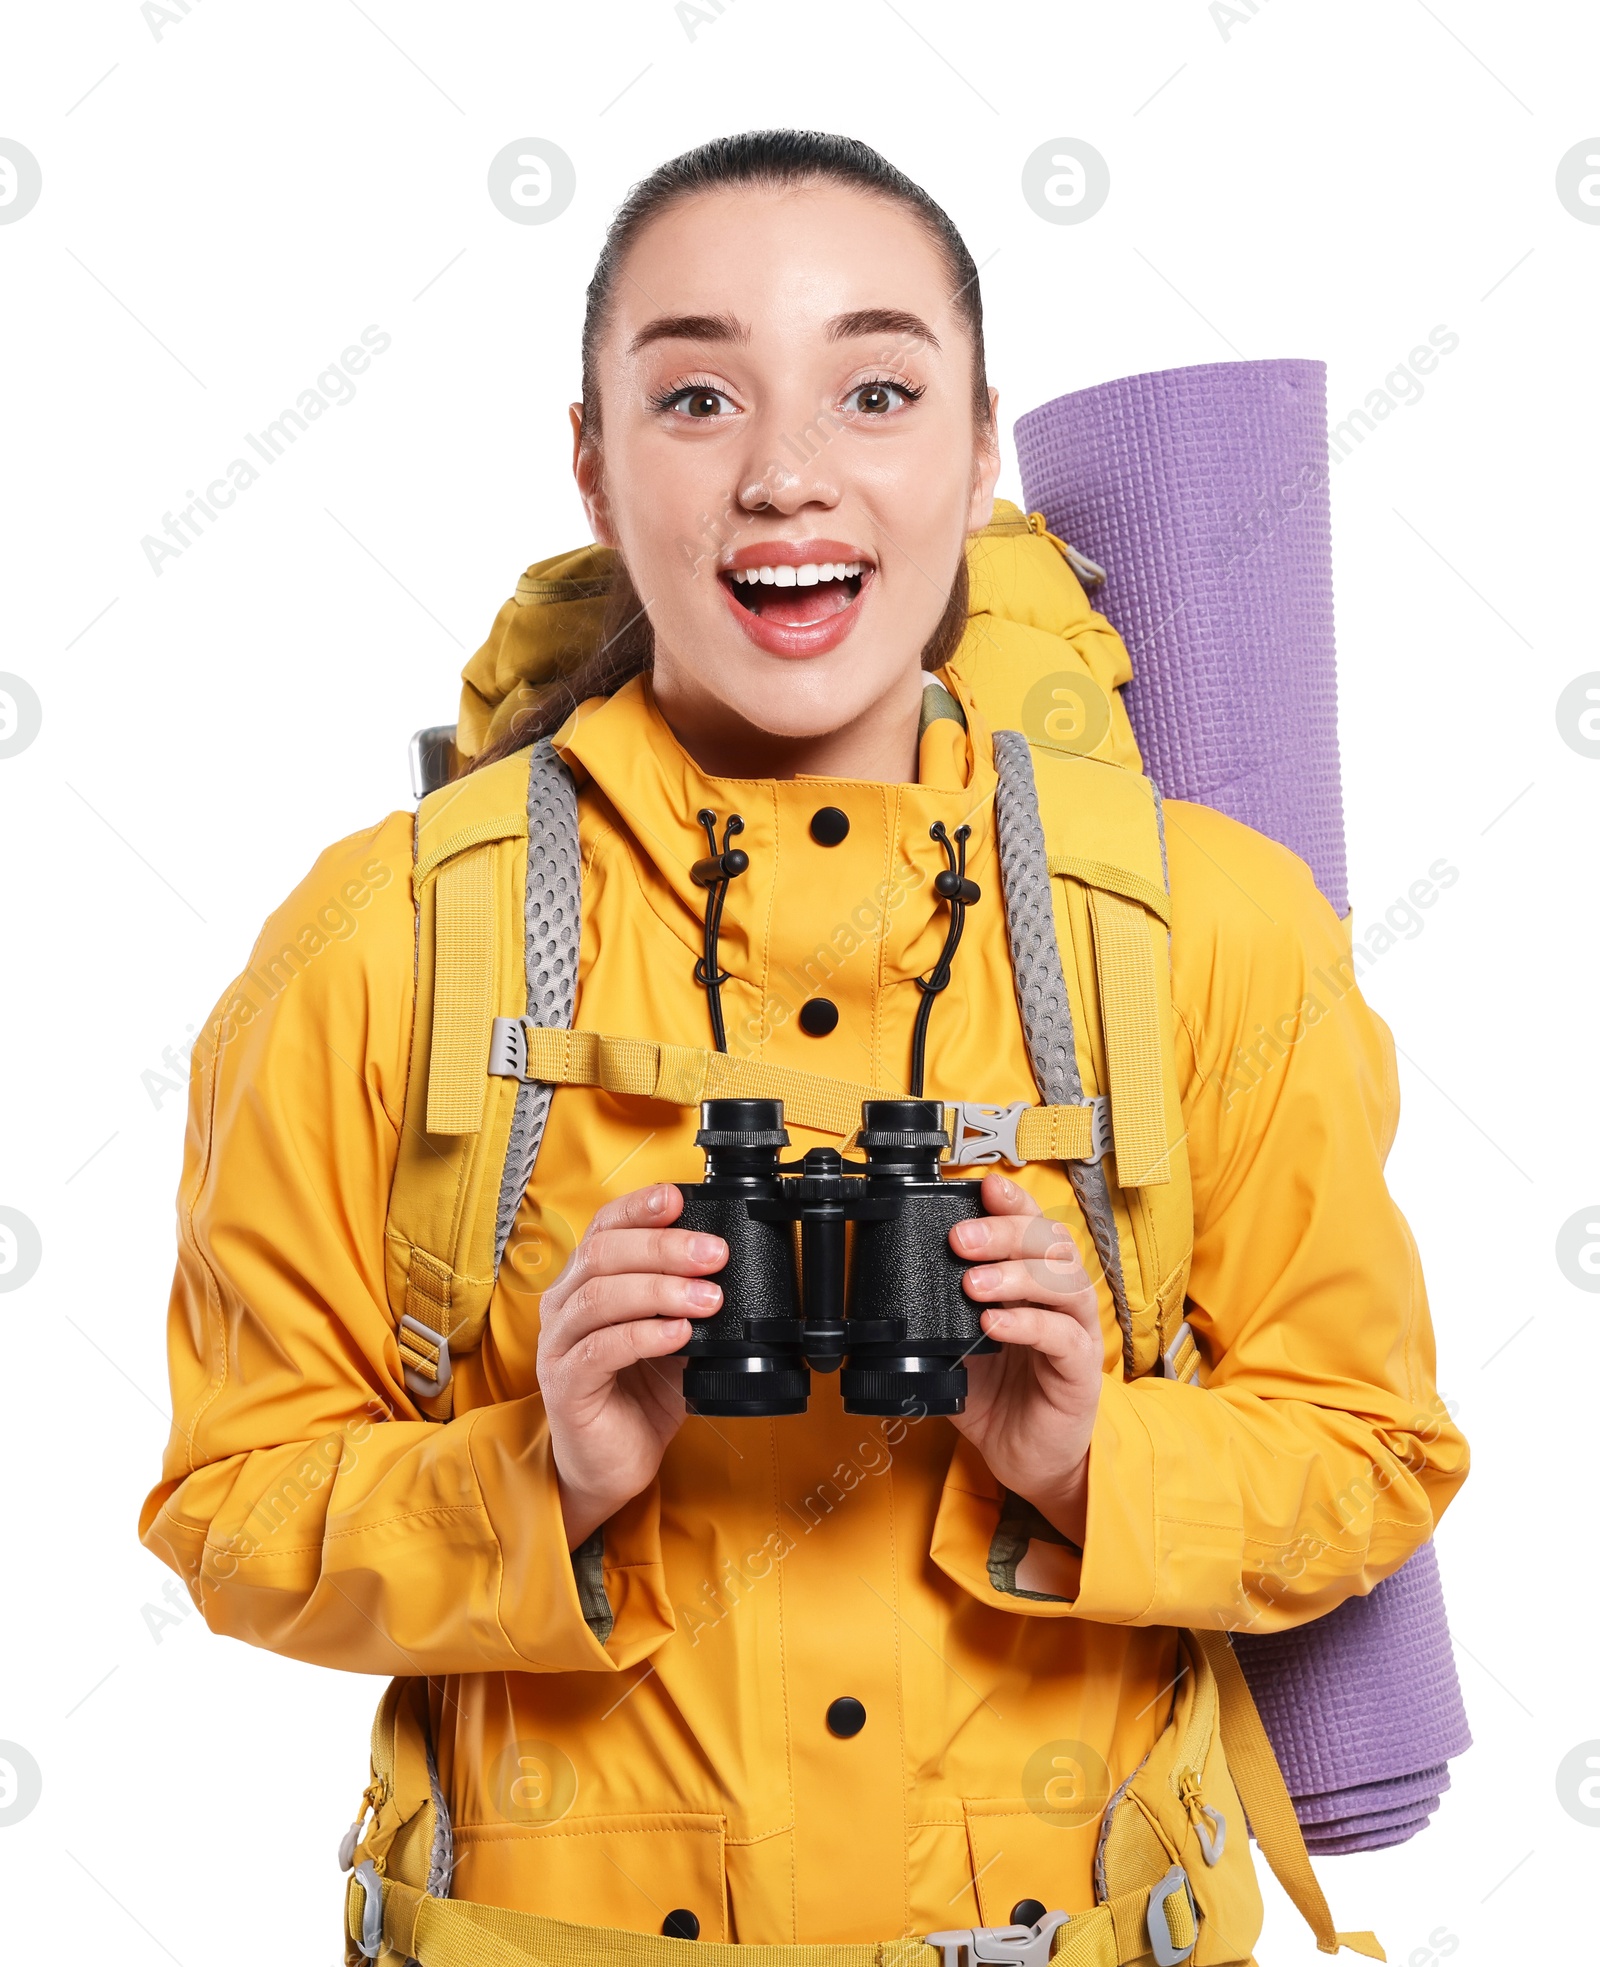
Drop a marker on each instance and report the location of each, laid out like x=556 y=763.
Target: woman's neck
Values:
x=880 y=744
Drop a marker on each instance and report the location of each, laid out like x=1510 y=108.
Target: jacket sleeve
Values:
x=304 y=1500
x=1318 y=1455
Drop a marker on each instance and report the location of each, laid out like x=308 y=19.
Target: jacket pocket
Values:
x=624 y=1870
x=1019 y=1852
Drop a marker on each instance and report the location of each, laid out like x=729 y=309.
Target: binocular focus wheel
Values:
x=734 y=1388
x=904 y=1386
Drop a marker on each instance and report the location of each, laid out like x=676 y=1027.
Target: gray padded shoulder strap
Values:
x=1042 y=992
x=552 y=917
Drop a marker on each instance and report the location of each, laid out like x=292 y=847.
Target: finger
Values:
x=1033 y=1280
x=612 y=1252
x=1004 y=1197
x=618 y=1300
x=657 y=1204
x=1065 y=1340
x=591 y=1366
x=994 y=1238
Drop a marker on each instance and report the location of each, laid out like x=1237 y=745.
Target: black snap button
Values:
x=829 y=826
x=681 y=1925
x=1026 y=1911
x=818 y=1015
x=846 y=1717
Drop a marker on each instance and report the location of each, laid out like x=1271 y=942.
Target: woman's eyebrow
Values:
x=882 y=321
x=689 y=327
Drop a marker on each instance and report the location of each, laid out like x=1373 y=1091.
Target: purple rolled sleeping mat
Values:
x=1203 y=492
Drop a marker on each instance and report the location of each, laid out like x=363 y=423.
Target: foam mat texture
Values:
x=1203 y=492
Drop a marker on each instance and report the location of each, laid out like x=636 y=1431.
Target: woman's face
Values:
x=789 y=465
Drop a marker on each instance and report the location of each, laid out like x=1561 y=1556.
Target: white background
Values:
x=227 y=208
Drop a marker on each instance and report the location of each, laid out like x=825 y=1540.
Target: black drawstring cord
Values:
x=952 y=884
x=714 y=873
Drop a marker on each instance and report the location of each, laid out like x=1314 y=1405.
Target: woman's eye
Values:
x=877 y=399
x=698 y=402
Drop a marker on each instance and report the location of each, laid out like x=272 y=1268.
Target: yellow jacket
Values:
x=610 y=1756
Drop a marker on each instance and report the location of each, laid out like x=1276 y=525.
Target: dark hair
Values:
x=626 y=646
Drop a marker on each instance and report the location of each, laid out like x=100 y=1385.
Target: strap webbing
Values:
x=684 y=1075
x=1259 y=1781
x=461 y=1933
x=1130 y=1019
x=1120 y=880
x=463 y=985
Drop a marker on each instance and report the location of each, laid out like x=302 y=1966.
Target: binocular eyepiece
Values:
x=883 y=1306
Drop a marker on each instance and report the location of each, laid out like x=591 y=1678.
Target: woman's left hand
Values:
x=1031 y=1406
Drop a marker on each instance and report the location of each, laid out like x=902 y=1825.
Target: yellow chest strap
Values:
x=684 y=1075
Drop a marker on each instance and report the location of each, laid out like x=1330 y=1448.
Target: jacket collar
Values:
x=626 y=749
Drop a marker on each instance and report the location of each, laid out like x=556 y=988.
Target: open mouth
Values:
x=798 y=597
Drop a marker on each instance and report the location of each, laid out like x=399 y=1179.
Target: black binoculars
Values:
x=900 y=1328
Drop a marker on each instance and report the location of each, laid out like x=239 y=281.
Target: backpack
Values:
x=496 y=881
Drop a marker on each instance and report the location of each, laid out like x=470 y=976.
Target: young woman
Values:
x=777 y=1680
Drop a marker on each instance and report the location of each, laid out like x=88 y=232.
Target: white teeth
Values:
x=808 y=575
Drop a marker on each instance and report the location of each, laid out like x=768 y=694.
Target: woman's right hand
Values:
x=606 y=1324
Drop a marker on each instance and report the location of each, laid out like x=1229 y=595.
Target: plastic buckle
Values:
x=508 y=1049
x=1155 y=1919
x=1099 y=1127
x=417 y=1381
x=984 y=1134
x=1167 y=1366
x=371 y=1940
x=354 y=1835
x=999 y=1946
x=434 y=758
x=1088 y=571
x=1213 y=1841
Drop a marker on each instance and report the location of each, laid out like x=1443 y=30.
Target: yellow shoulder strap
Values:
x=1259 y=1781
x=1107 y=865
x=469 y=882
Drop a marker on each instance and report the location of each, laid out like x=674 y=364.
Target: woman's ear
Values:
x=590 y=480
x=985 y=469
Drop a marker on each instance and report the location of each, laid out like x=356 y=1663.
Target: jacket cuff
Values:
x=564 y=1611
x=998 y=1547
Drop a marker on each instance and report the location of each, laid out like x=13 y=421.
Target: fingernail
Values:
x=986 y=1276
x=656 y=1201
x=1007 y=1188
x=1061 y=1253
x=706 y=1249
x=973 y=1235
x=704 y=1295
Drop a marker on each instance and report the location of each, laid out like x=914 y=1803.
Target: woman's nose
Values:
x=789 y=467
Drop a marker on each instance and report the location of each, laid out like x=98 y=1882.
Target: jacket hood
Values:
x=1035 y=657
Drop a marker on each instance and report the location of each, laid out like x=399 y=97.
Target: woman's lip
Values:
x=792 y=553
x=788 y=639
